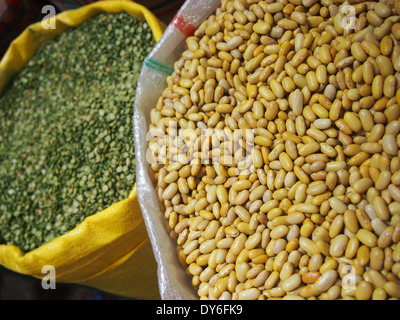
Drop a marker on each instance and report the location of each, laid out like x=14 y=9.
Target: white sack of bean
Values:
x=268 y=150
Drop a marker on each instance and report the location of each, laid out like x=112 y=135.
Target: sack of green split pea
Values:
x=67 y=165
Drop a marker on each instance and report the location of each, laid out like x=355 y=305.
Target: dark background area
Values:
x=15 y=286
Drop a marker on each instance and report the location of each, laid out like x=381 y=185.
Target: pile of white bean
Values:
x=310 y=90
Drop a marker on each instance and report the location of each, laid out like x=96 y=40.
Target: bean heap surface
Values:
x=66 y=140
x=309 y=90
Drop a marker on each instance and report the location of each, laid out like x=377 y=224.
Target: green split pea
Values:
x=66 y=129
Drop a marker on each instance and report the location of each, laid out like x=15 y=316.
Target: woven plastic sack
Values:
x=109 y=250
x=173 y=282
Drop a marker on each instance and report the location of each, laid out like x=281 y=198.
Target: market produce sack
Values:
x=172 y=280
x=109 y=250
x=218 y=191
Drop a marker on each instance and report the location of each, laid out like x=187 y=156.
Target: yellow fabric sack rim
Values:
x=23 y=48
x=98 y=230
